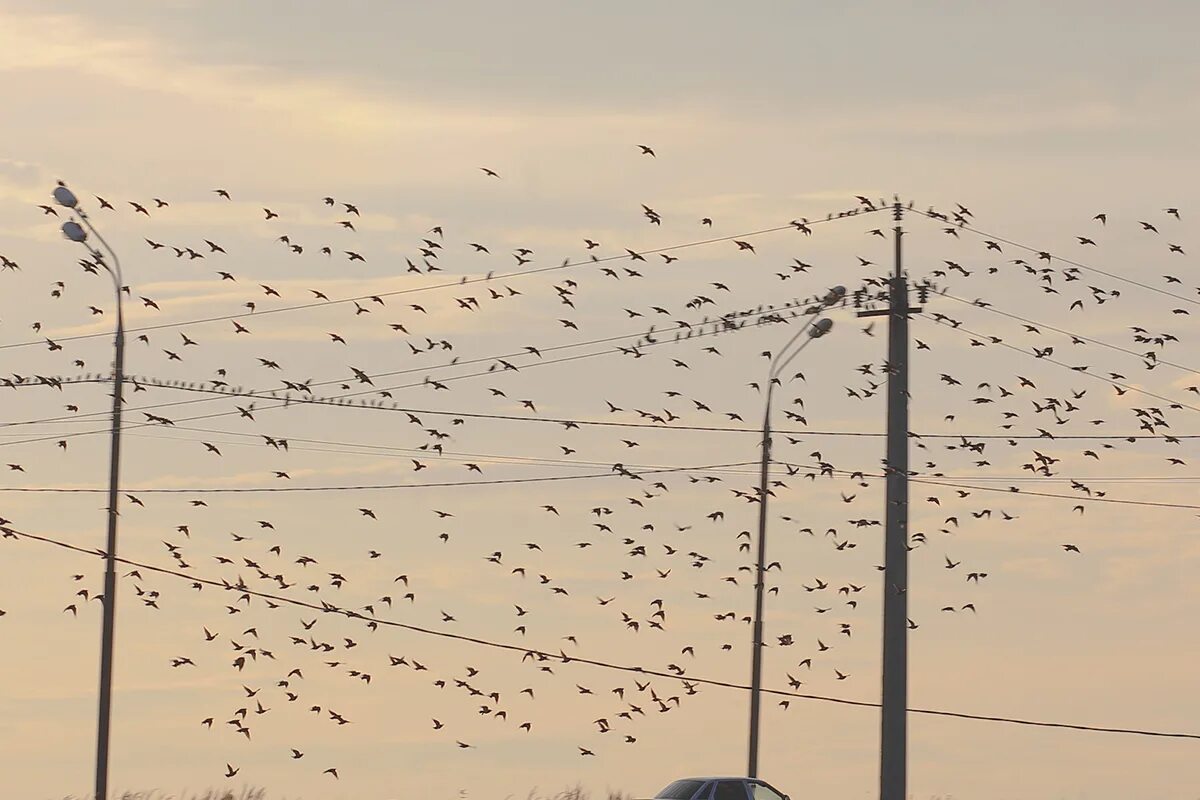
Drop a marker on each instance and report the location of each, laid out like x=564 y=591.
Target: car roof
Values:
x=719 y=778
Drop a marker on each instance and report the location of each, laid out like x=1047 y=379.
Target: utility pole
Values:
x=893 y=749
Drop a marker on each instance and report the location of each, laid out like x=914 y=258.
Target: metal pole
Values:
x=110 y=552
x=110 y=567
x=815 y=330
x=893 y=725
x=760 y=580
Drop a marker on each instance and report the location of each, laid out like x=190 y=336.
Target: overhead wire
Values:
x=992 y=309
x=1038 y=251
x=542 y=656
x=997 y=341
x=333 y=401
x=367 y=487
x=465 y=281
x=719 y=324
x=792 y=470
x=1076 y=498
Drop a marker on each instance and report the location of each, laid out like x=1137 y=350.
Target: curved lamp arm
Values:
x=831 y=297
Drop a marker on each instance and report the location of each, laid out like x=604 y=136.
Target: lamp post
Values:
x=815 y=328
x=76 y=233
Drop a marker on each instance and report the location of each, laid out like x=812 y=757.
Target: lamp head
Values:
x=74 y=231
x=820 y=327
x=833 y=295
x=64 y=196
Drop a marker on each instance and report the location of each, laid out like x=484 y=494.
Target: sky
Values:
x=1034 y=117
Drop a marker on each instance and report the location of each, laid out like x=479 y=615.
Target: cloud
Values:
x=91 y=49
x=20 y=178
x=142 y=63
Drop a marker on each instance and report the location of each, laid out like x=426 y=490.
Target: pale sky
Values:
x=1037 y=119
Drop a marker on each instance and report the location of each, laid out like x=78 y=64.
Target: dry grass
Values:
x=254 y=793
x=245 y=793
x=577 y=792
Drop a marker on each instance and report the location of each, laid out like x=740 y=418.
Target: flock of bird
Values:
x=297 y=622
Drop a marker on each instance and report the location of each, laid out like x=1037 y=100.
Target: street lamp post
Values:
x=815 y=328
x=76 y=233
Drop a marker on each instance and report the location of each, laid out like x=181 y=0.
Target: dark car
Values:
x=720 y=789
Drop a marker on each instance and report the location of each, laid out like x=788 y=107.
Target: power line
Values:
x=1030 y=249
x=465 y=281
x=792 y=471
x=542 y=655
x=1002 y=343
x=1077 y=499
x=333 y=401
x=990 y=307
x=287 y=401
x=721 y=325
x=410 y=453
x=373 y=486
x=493 y=458
x=936 y=481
